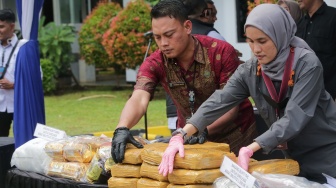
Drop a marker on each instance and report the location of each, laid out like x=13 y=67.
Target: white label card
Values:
x=236 y=174
x=48 y=133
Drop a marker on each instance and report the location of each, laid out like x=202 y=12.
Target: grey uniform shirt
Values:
x=308 y=124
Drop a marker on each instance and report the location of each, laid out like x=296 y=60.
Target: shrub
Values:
x=55 y=44
x=48 y=82
x=92 y=30
x=124 y=42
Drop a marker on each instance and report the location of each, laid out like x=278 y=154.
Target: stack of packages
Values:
x=71 y=157
x=127 y=173
x=199 y=167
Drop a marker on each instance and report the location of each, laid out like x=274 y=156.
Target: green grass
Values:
x=91 y=111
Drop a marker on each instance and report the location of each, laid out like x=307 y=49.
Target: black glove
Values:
x=200 y=139
x=121 y=137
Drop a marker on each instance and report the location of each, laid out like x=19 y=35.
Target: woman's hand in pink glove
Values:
x=244 y=157
x=167 y=162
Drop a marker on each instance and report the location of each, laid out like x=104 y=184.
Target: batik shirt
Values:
x=214 y=62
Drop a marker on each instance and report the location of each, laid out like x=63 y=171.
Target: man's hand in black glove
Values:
x=121 y=137
x=198 y=139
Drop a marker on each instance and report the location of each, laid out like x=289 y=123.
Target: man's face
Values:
x=171 y=35
x=305 y=5
x=213 y=16
x=6 y=31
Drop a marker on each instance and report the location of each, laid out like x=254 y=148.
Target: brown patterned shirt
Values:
x=214 y=62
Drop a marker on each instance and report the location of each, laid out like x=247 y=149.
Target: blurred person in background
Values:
x=211 y=5
x=201 y=17
x=8 y=51
x=318 y=29
x=293 y=8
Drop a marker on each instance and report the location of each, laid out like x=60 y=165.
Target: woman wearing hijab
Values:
x=285 y=79
x=293 y=8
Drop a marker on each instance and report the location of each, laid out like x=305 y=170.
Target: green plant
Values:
x=152 y=2
x=92 y=30
x=124 y=41
x=48 y=82
x=55 y=45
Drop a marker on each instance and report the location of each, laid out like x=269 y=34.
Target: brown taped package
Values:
x=189 y=186
x=152 y=171
x=196 y=158
x=115 y=182
x=125 y=171
x=275 y=166
x=149 y=183
x=208 y=145
x=71 y=170
x=185 y=177
x=133 y=156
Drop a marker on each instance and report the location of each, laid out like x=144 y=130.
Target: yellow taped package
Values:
x=71 y=170
x=77 y=152
x=152 y=171
x=275 y=166
x=184 y=176
x=125 y=171
x=190 y=186
x=54 y=149
x=208 y=145
x=133 y=156
x=150 y=183
x=94 y=141
x=194 y=158
x=115 y=182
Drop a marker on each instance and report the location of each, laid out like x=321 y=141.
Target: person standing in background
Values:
x=8 y=50
x=201 y=17
x=318 y=29
x=293 y=8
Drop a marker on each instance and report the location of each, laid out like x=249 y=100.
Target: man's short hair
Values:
x=195 y=7
x=172 y=8
x=7 y=15
x=209 y=2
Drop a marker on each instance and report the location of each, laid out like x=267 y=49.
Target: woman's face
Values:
x=261 y=45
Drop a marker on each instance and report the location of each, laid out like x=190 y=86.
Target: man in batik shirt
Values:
x=190 y=68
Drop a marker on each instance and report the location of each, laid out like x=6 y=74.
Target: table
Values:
x=24 y=179
x=6 y=151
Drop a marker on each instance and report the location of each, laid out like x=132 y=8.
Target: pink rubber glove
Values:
x=167 y=162
x=244 y=157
